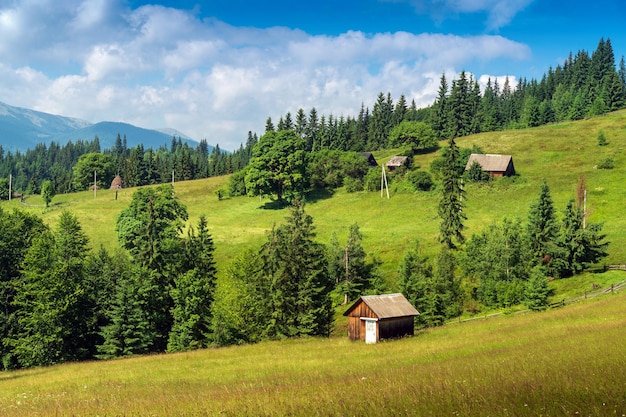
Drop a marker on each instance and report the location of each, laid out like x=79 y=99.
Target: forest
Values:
x=60 y=302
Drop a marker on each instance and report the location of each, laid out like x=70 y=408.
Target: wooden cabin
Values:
x=371 y=161
x=396 y=162
x=494 y=165
x=375 y=317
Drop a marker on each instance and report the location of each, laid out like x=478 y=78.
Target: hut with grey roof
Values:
x=375 y=317
x=494 y=165
x=396 y=162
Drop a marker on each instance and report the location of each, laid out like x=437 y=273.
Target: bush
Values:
x=371 y=181
x=602 y=139
x=421 y=180
x=476 y=173
x=607 y=163
x=237 y=183
x=353 y=184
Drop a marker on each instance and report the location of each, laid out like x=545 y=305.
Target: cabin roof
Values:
x=386 y=306
x=396 y=161
x=490 y=162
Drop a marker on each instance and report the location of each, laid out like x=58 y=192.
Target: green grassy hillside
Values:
x=568 y=361
x=557 y=153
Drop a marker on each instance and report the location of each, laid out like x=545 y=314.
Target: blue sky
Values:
x=217 y=69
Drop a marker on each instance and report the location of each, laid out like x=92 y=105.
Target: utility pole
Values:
x=10 y=183
x=383 y=183
x=95 y=184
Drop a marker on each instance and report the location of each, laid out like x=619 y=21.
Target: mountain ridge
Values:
x=22 y=129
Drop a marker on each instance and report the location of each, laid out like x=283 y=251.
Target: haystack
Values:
x=117 y=183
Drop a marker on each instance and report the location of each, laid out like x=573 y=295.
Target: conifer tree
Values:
x=451 y=205
x=537 y=290
x=357 y=274
x=416 y=280
x=439 y=112
x=193 y=292
x=542 y=225
x=130 y=330
x=300 y=283
x=54 y=315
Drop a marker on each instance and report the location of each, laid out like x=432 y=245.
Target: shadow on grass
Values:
x=309 y=198
x=275 y=205
x=318 y=195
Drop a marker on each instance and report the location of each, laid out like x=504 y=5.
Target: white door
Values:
x=370 y=331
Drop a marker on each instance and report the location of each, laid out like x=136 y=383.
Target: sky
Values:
x=217 y=69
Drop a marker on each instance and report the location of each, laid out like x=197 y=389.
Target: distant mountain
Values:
x=22 y=129
x=107 y=133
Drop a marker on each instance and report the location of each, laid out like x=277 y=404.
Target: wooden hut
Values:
x=494 y=165
x=396 y=162
x=375 y=317
x=370 y=159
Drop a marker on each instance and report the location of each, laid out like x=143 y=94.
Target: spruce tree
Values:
x=537 y=290
x=129 y=330
x=451 y=206
x=542 y=224
x=193 y=292
x=439 y=112
x=296 y=266
x=54 y=316
x=416 y=282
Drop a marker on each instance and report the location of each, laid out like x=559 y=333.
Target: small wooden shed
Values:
x=494 y=165
x=375 y=317
x=370 y=159
x=396 y=162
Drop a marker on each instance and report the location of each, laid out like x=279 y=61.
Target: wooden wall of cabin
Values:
x=396 y=327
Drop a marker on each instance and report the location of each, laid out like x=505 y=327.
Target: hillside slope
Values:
x=557 y=153
x=567 y=361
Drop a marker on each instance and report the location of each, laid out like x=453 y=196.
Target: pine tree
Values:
x=439 y=113
x=193 y=292
x=451 y=205
x=542 y=225
x=312 y=129
x=357 y=273
x=300 y=284
x=399 y=111
x=537 y=290
x=300 y=126
x=54 y=314
x=129 y=330
x=416 y=281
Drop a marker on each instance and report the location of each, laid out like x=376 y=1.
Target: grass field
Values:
x=557 y=153
x=564 y=362
x=568 y=361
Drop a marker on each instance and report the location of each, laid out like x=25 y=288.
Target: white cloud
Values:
x=158 y=67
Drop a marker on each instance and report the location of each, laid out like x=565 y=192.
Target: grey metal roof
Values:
x=489 y=162
x=396 y=161
x=387 y=306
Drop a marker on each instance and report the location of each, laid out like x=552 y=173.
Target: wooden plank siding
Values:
x=356 y=326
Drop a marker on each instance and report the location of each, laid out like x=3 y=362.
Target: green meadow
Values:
x=566 y=361
x=557 y=153
x=563 y=362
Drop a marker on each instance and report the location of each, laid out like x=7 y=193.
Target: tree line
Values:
x=584 y=85
x=70 y=167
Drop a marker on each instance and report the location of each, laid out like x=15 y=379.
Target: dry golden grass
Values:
x=561 y=362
